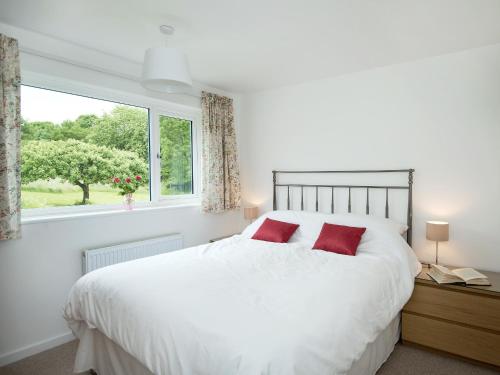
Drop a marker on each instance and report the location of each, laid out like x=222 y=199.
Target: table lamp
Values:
x=251 y=213
x=437 y=231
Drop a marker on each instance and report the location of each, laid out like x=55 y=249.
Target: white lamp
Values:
x=166 y=69
x=437 y=231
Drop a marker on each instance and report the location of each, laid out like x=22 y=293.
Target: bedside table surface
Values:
x=493 y=277
x=222 y=237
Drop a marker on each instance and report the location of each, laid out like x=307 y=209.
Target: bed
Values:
x=241 y=306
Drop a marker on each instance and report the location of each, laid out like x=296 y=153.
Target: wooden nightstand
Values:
x=463 y=321
x=222 y=238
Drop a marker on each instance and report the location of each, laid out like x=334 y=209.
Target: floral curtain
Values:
x=10 y=139
x=221 y=174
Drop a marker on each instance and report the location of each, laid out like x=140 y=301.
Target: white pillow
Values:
x=312 y=222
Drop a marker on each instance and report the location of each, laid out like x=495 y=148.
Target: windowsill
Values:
x=44 y=217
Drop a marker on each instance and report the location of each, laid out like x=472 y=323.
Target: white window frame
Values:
x=155 y=152
x=156 y=107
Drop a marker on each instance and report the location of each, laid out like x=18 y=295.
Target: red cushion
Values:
x=275 y=231
x=339 y=239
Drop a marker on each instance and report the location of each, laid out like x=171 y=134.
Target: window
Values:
x=176 y=156
x=74 y=147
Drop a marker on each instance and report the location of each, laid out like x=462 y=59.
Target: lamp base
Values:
x=437 y=253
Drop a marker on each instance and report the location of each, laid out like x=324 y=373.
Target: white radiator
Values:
x=106 y=256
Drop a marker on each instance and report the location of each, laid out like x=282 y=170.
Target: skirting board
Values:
x=35 y=348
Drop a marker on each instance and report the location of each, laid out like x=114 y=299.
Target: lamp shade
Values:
x=251 y=212
x=165 y=69
x=437 y=230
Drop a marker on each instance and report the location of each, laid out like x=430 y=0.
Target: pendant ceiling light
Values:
x=165 y=69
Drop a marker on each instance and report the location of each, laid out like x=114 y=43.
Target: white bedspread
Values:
x=241 y=306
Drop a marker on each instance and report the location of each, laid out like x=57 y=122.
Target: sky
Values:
x=46 y=105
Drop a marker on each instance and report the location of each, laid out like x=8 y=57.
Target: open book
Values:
x=469 y=276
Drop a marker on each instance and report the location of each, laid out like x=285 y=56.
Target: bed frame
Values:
x=408 y=187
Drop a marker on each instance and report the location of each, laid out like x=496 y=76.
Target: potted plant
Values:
x=128 y=186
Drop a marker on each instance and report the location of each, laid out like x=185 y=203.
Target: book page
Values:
x=443 y=270
x=443 y=277
x=467 y=274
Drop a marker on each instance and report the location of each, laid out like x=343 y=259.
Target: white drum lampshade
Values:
x=437 y=231
x=166 y=69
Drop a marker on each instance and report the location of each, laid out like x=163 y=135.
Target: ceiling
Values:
x=252 y=45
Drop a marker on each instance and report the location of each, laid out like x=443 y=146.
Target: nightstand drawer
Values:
x=467 y=308
x=452 y=338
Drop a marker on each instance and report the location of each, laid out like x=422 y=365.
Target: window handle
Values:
x=158 y=156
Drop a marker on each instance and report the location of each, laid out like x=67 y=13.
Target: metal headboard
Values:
x=408 y=187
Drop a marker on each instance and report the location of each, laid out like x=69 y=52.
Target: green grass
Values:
x=55 y=194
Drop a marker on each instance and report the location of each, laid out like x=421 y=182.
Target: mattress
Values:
x=99 y=353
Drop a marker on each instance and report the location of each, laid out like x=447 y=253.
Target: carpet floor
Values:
x=405 y=360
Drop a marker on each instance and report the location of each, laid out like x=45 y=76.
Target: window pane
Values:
x=72 y=147
x=176 y=156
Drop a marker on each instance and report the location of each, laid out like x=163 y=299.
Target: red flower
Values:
x=116 y=180
x=128 y=180
x=138 y=178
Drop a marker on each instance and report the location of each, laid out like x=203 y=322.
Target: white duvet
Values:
x=241 y=306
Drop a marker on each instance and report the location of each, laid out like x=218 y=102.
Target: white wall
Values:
x=38 y=270
x=440 y=116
